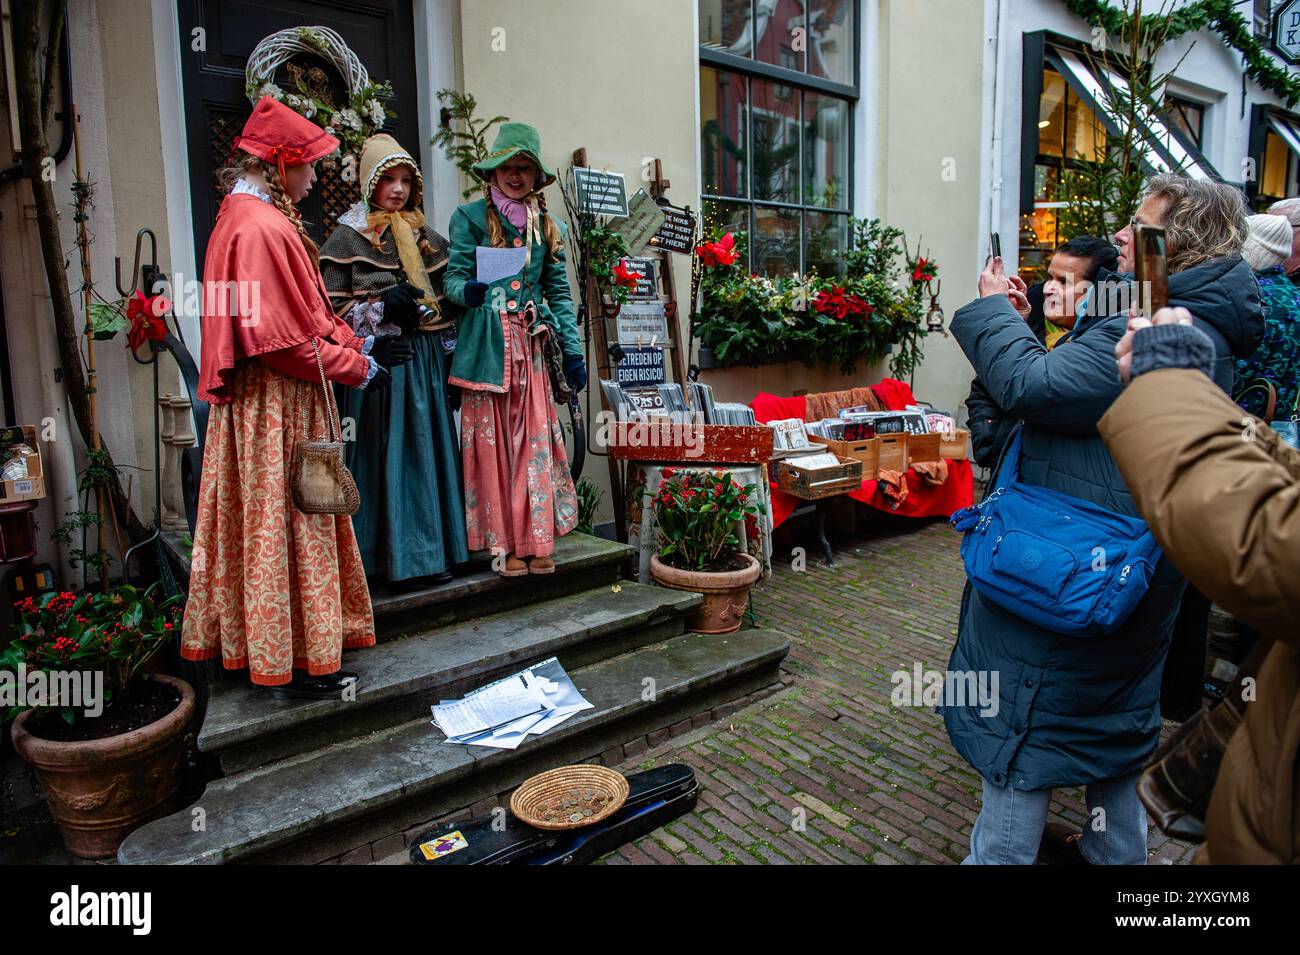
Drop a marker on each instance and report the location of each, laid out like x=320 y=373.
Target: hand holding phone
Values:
x=1150 y=269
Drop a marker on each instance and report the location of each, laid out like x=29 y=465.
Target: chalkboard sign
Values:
x=600 y=193
x=646 y=286
x=640 y=366
x=677 y=234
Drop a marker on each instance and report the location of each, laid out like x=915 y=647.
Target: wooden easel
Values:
x=607 y=313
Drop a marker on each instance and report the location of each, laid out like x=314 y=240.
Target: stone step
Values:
x=315 y=806
x=581 y=562
x=398 y=680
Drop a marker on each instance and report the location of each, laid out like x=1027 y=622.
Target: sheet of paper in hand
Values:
x=494 y=264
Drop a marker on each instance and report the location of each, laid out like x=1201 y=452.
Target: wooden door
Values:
x=380 y=32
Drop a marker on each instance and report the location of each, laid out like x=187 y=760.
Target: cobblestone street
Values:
x=827 y=770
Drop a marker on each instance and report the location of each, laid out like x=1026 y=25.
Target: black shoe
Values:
x=1060 y=846
x=324 y=687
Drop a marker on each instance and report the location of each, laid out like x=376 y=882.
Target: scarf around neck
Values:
x=515 y=210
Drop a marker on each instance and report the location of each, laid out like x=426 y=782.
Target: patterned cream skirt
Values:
x=271 y=588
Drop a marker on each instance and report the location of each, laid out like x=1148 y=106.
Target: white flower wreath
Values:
x=361 y=117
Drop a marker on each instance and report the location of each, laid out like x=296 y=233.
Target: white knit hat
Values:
x=1268 y=241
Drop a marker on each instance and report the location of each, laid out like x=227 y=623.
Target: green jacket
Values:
x=479 y=361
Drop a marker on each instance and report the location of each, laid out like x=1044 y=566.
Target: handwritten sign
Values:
x=641 y=366
x=647 y=288
x=644 y=217
x=640 y=323
x=600 y=193
x=677 y=234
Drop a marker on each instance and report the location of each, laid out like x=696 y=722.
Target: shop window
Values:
x=1278 y=172
x=1070 y=134
x=1188 y=117
x=777 y=89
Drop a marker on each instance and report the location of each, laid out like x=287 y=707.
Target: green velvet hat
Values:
x=512 y=139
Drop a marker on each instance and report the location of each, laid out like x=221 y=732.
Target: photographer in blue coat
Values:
x=1072 y=710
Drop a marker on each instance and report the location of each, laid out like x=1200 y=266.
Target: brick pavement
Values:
x=827 y=770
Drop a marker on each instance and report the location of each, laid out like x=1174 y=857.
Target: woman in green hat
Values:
x=383 y=268
x=519 y=494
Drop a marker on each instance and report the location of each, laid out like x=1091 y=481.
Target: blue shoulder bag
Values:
x=1058 y=561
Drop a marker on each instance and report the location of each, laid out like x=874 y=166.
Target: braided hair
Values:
x=246 y=163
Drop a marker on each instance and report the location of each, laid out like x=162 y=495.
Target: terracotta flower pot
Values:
x=726 y=593
x=101 y=790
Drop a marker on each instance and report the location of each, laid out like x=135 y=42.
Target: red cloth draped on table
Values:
x=923 y=499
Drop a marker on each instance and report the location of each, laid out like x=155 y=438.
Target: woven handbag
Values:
x=318 y=479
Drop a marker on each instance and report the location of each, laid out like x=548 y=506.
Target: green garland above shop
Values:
x=1219 y=15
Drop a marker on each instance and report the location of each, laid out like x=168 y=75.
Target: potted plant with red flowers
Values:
x=696 y=512
x=103 y=734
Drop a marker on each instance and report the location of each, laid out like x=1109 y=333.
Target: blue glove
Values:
x=475 y=294
x=575 y=370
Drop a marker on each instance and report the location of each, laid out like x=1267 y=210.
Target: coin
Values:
x=575 y=817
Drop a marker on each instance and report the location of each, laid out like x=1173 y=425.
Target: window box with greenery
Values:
x=749 y=319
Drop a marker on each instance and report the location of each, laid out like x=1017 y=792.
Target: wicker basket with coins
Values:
x=569 y=797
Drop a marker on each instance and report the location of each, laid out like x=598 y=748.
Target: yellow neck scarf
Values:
x=408 y=249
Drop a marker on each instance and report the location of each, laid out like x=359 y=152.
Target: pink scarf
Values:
x=515 y=210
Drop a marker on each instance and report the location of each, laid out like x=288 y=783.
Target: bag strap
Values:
x=1008 y=469
x=1272 y=396
x=325 y=392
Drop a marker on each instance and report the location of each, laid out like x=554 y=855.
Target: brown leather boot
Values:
x=514 y=567
x=541 y=565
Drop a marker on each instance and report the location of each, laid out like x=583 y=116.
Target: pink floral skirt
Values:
x=519 y=495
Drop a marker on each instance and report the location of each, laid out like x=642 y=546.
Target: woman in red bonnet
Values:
x=272 y=589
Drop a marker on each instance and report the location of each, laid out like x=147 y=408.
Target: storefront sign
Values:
x=642 y=323
x=677 y=234
x=644 y=218
x=646 y=286
x=600 y=193
x=1286 y=31
x=640 y=366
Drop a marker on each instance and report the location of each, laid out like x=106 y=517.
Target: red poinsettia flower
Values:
x=831 y=302
x=145 y=315
x=624 y=276
x=722 y=252
x=925 y=269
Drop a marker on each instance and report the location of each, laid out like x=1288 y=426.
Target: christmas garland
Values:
x=1219 y=15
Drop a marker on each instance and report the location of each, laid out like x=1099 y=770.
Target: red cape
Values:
x=253 y=242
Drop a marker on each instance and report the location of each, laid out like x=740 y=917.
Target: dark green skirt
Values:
x=406 y=462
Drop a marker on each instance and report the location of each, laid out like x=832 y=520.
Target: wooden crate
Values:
x=893 y=452
x=923 y=447
x=823 y=482
x=690 y=443
x=867 y=451
x=31 y=487
x=953 y=444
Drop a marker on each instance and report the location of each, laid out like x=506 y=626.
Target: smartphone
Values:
x=1150 y=269
x=995 y=245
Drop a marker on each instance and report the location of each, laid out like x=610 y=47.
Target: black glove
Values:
x=400 y=305
x=475 y=294
x=575 y=370
x=381 y=381
x=391 y=350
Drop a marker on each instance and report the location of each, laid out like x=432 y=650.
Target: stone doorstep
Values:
x=398 y=680
x=703 y=725
x=581 y=561
x=317 y=806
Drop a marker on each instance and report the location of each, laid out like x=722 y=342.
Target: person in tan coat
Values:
x=1221 y=492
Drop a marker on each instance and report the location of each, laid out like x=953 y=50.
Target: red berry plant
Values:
x=116 y=632
x=696 y=513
